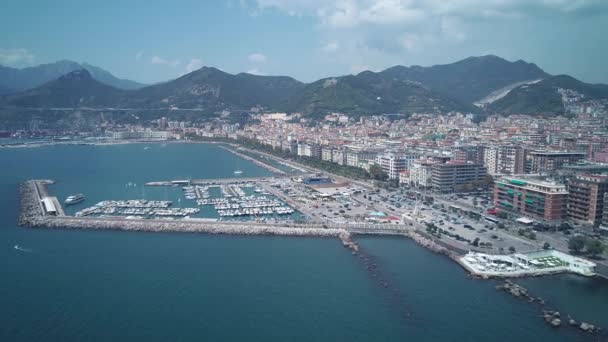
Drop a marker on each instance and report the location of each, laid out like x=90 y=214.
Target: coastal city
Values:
x=499 y=186
x=289 y=170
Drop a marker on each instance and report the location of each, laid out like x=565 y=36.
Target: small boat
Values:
x=147 y=147
x=238 y=172
x=73 y=199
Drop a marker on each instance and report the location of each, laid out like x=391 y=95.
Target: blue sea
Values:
x=78 y=285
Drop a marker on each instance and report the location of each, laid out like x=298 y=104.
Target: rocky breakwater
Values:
x=429 y=244
x=183 y=225
x=348 y=242
x=551 y=317
x=31 y=213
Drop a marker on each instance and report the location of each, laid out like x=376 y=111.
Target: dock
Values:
x=212 y=181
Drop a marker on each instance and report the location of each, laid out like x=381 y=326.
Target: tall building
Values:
x=490 y=159
x=470 y=153
x=586 y=198
x=550 y=161
x=355 y=156
x=392 y=164
x=420 y=173
x=536 y=198
x=456 y=176
x=339 y=156
x=326 y=153
x=505 y=160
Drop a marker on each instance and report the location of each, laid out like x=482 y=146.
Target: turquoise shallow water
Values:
x=98 y=286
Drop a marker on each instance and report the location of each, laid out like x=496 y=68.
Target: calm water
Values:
x=100 y=286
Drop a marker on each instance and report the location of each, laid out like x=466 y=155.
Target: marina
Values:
x=140 y=208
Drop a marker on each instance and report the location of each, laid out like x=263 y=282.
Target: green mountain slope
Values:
x=370 y=93
x=543 y=97
x=470 y=79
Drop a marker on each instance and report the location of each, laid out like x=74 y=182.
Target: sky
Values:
x=152 y=41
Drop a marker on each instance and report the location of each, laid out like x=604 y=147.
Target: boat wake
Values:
x=21 y=249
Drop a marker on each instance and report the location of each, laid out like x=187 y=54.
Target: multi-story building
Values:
x=505 y=159
x=326 y=153
x=309 y=150
x=540 y=199
x=456 y=176
x=339 y=156
x=420 y=173
x=550 y=162
x=470 y=153
x=392 y=164
x=355 y=157
x=586 y=198
x=490 y=159
x=146 y=134
x=604 y=224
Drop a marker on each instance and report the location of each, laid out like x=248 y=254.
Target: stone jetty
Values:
x=30 y=193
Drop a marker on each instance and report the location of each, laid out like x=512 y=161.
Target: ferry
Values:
x=73 y=199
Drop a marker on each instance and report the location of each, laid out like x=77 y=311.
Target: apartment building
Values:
x=550 y=161
x=540 y=199
x=455 y=176
x=586 y=198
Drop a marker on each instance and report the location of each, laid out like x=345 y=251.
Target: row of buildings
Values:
x=581 y=198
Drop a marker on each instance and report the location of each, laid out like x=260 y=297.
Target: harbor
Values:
x=158 y=216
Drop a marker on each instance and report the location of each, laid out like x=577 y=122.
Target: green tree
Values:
x=576 y=244
x=546 y=245
x=594 y=247
x=475 y=242
x=512 y=249
x=376 y=172
x=532 y=235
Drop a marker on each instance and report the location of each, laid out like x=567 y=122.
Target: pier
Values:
x=212 y=181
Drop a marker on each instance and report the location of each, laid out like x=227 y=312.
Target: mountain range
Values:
x=486 y=84
x=14 y=80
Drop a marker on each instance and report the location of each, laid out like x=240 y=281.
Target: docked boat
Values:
x=73 y=199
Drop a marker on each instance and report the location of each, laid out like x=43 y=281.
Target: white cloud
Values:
x=159 y=60
x=194 y=64
x=16 y=56
x=351 y=13
x=389 y=32
x=332 y=46
x=452 y=30
x=139 y=55
x=255 y=71
x=257 y=58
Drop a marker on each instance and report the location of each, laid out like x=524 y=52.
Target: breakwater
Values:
x=30 y=193
x=255 y=161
